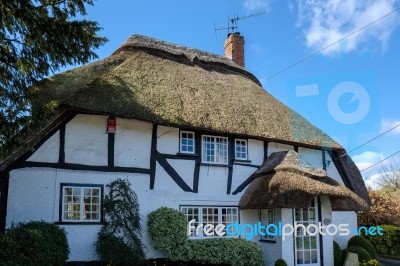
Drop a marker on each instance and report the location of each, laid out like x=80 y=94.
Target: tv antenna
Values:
x=232 y=24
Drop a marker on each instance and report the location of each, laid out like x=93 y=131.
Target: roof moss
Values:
x=168 y=84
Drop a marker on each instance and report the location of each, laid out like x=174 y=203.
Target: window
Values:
x=240 y=149
x=215 y=149
x=210 y=215
x=81 y=203
x=306 y=245
x=187 y=142
x=269 y=218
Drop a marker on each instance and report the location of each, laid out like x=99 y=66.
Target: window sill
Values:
x=267 y=241
x=79 y=223
x=241 y=161
x=215 y=164
x=187 y=154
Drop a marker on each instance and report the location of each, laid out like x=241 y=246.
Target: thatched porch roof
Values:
x=286 y=180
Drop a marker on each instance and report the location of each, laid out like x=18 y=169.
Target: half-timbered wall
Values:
x=81 y=152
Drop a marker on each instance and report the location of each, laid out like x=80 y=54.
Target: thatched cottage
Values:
x=190 y=130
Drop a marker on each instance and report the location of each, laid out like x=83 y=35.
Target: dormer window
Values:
x=215 y=149
x=240 y=149
x=187 y=142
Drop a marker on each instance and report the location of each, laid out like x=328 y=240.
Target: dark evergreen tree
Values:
x=37 y=37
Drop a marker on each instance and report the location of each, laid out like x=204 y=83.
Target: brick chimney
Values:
x=234 y=48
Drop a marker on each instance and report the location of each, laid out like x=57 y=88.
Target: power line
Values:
x=326 y=47
x=380 y=161
x=362 y=145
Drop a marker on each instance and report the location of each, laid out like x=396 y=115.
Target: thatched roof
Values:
x=285 y=180
x=167 y=84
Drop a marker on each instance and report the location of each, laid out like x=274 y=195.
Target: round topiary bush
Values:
x=168 y=229
x=337 y=254
x=359 y=241
x=280 y=262
x=34 y=243
x=363 y=255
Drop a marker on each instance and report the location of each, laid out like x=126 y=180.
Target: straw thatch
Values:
x=285 y=180
x=168 y=84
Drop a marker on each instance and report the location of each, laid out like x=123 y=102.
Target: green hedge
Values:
x=337 y=254
x=359 y=241
x=168 y=229
x=389 y=243
x=228 y=251
x=363 y=255
x=34 y=243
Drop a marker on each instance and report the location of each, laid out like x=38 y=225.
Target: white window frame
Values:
x=216 y=151
x=269 y=218
x=219 y=218
x=81 y=203
x=181 y=144
x=310 y=216
x=241 y=141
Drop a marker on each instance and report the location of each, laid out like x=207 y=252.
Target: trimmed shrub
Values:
x=168 y=230
x=226 y=251
x=337 y=254
x=280 y=262
x=34 y=243
x=389 y=243
x=344 y=255
x=363 y=255
x=359 y=241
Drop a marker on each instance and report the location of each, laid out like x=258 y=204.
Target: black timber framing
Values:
x=61 y=149
x=4 y=180
x=172 y=173
x=231 y=157
x=153 y=156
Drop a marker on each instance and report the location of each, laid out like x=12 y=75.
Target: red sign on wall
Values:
x=112 y=125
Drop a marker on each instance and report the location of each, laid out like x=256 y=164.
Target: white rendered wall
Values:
x=256 y=151
x=132 y=143
x=326 y=214
x=168 y=140
x=272 y=251
x=344 y=217
x=48 y=152
x=275 y=147
x=312 y=156
x=331 y=171
x=250 y=217
x=287 y=244
x=240 y=174
x=86 y=140
x=34 y=192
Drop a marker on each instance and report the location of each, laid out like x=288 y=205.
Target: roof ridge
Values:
x=192 y=54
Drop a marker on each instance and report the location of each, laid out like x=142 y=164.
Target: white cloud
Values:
x=387 y=124
x=373 y=181
x=256 y=48
x=326 y=21
x=367 y=159
x=291 y=7
x=252 y=5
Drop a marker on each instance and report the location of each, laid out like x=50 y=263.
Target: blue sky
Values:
x=349 y=90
